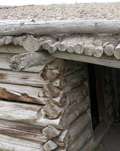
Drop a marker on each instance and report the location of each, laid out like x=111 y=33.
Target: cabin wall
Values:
x=45 y=107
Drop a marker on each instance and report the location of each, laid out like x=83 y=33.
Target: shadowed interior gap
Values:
x=93 y=95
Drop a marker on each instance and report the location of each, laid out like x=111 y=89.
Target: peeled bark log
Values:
x=81 y=140
x=117 y=52
x=75 y=130
x=27 y=60
x=79 y=48
x=98 y=51
x=57 y=27
x=47 y=43
x=89 y=49
x=51 y=132
x=53 y=47
x=19 y=40
x=8 y=39
x=109 y=50
x=50 y=145
x=21 y=93
x=31 y=43
x=49 y=91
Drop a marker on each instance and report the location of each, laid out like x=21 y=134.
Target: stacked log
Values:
x=44 y=107
x=96 y=45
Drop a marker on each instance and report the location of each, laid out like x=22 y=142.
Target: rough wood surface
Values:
x=21 y=93
x=50 y=145
x=19 y=112
x=17 y=144
x=104 y=60
x=21 y=78
x=27 y=60
x=117 y=52
x=4 y=63
x=55 y=27
x=51 y=132
x=75 y=130
x=12 y=49
x=81 y=140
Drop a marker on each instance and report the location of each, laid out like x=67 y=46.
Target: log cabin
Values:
x=59 y=84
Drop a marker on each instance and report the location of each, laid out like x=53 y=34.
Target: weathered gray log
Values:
x=27 y=60
x=12 y=49
x=55 y=27
x=98 y=51
x=4 y=63
x=51 y=132
x=23 y=94
x=19 y=40
x=31 y=43
x=17 y=144
x=50 y=145
x=53 y=47
x=109 y=49
x=117 y=52
x=74 y=131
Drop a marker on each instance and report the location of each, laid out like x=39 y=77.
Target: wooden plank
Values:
x=21 y=78
x=104 y=60
x=55 y=27
x=21 y=93
x=4 y=63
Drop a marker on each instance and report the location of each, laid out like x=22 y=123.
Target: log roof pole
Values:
x=57 y=27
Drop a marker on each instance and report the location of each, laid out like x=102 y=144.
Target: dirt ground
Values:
x=109 y=11
x=111 y=142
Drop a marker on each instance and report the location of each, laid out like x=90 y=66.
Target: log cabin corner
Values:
x=59 y=84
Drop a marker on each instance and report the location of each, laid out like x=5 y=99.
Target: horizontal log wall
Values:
x=46 y=106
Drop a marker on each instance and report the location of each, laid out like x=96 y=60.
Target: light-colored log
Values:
x=98 y=51
x=89 y=49
x=21 y=93
x=79 y=48
x=4 y=63
x=62 y=46
x=32 y=129
x=50 y=132
x=71 y=80
x=75 y=130
x=88 y=145
x=12 y=49
x=8 y=39
x=49 y=91
x=27 y=60
x=53 y=47
x=105 y=44
x=81 y=140
x=19 y=40
x=16 y=144
x=19 y=112
x=31 y=43
x=104 y=60
x=64 y=121
x=55 y=27
x=51 y=110
x=59 y=67
x=47 y=43
x=117 y=52
x=50 y=145
x=22 y=78
x=74 y=97
x=48 y=75
x=23 y=135
x=109 y=50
